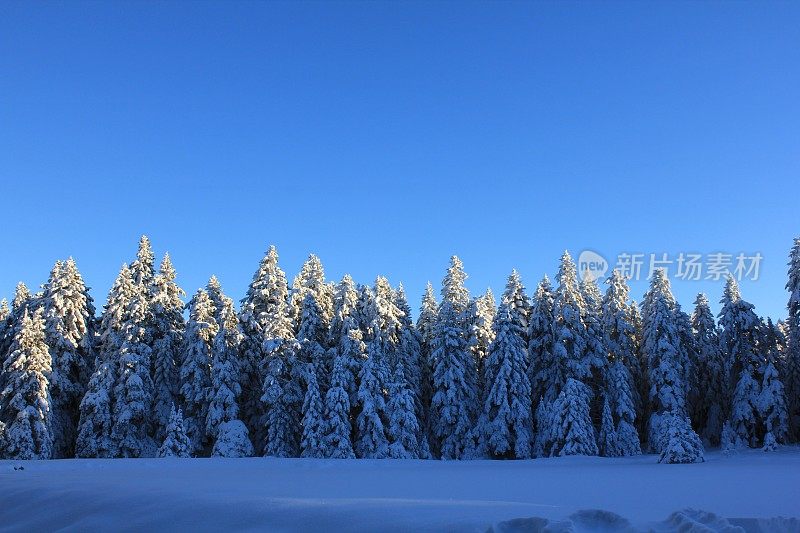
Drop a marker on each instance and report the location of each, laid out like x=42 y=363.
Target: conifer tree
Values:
x=792 y=358
x=5 y=326
x=619 y=332
x=541 y=358
x=96 y=421
x=195 y=369
x=413 y=364
x=425 y=323
x=771 y=401
x=371 y=441
x=25 y=412
x=223 y=425
x=454 y=397
x=669 y=429
x=143 y=268
x=506 y=420
x=312 y=443
x=312 y=336
x=607 y=439
x=22 y=301
x=403 y=427
x=337 y=427
x=133 y=389
x=482 y=311
x=167 y=328
x=710 y=396
x=176 y=443
x=345 y=300
x=311 y=280
x=739 y=338
x=69 y=332
x=572 y=432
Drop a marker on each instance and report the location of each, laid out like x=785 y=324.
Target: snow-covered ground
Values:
x=383 y=495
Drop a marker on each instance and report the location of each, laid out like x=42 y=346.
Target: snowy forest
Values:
x=340 y=370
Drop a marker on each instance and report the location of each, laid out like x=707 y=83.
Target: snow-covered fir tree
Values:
x=607 y=440
x=403 y=426
x=5 y=326
x=709 y=399
x=771 y=401
x=540 y=355
x=133 y=389
x=506 y=423
x=95 y=421
x=669 y=429
x=792 y=357
x=571 y=430
x=481 y=312
x=574 y=359
x=454 y=399
x=22 y=301
x=223 y=425
x=345 y=300
x=312 y=336
x=337 y=427
x=176 y=443
x=143 y=268
x=413 y=366
x=26 y=430
x=69 y=331
x=311 y=280
x=195 y=369
x=425 y=323
x=371 y=441
x=739 y=338
x=312 y=443
x=167 y=327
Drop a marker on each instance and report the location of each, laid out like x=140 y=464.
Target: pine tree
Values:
x=771 y=402
x=345 y=300
x=133 y=389
x=22 y=301
x=267 y=348
x=454 y=397
x=572 y=431
x=337 y=427
x=371 y=441
x=195 y=369
x=143 y=268
x=482 y=311
x=543 y=372
x=69 y=332
x=176 y=443
x=312 y=443
x=403 y=427
x=167 y=328
x=607 y=439
x=710 y=396
x=96 y=421
x=620 y=392
x=669 y=429
x=575 y=357
x=223 y=425
x=739 y=338
x=311 y=280
x=413 y=365
x=792 y=365
x=312 y=336
x=506 y=420
x=25 y=405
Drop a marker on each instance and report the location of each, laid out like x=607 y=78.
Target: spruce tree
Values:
x=25 y=405
x=195 y=369
x=454 y=372
x=312 y=443
x=543 y=372
x=143 y=268
x=268 y=346
x=669 y=430
x=574 y=359
x=167 y=328
x=771 y=401
x=607 y=439
x=425 y=323
x=223 y=425
x=176 y=443
x=371 y=441
x=311 y=280
x=403 y=427
x=710 y=396
x=413 y=365
x=69 y=332
x=506 y=421
x=312 y=336
x=792 y=358
x=337 y=427
x=133 y=389
x=5 y=327
x=482 y=311
x=96 y=420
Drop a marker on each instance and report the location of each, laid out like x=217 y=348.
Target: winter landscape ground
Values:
x=749 y=490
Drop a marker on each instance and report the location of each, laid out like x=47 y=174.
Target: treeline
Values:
x=340 y=370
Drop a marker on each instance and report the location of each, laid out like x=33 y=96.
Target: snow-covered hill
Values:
x=384 y=495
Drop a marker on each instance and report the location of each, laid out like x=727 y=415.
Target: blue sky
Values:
x=387 y=136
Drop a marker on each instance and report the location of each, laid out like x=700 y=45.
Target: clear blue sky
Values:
x=387 y=136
